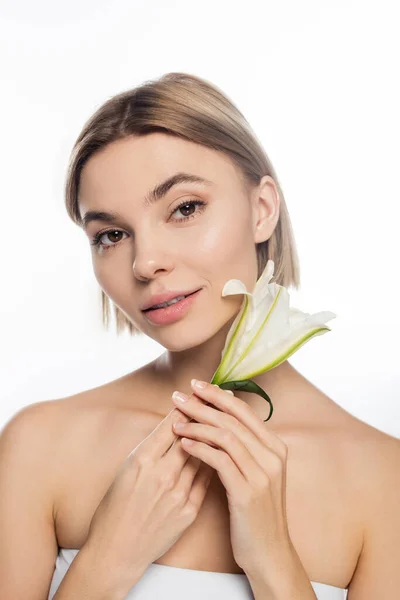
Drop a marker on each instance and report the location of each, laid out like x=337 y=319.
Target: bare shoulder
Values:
x=28 y=445
x=373 y=453
x=370 y=453
x=35 y=423
x=56 y=429
x=373 y=461
x=103 y=419
x=37 y=428
x=378 y=462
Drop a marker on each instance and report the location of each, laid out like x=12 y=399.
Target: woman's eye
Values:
x=189 y=203
x=96 y=239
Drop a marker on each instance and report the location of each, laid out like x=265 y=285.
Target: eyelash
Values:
x=97 y=237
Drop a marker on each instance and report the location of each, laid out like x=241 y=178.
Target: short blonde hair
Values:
x=191 y=108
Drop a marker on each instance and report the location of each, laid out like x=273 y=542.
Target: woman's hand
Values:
x=251 y=464
x=155 y=496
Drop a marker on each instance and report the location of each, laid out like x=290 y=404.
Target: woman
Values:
x=176 y=197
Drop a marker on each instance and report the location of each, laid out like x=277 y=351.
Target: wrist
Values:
x=114 y=581
x=282 y=576
x=271 y=570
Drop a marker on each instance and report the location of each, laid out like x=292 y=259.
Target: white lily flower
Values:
x=265 y=332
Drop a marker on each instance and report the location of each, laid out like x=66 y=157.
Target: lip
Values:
x=170 y=314
x=165 y=297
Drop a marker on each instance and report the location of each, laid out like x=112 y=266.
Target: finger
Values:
x=158 y=442
x=200 y=485
x=239 y=409
x=260 y=452
x=231 y=477
x=227 y=441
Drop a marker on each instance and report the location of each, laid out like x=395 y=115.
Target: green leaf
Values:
x=246 y=385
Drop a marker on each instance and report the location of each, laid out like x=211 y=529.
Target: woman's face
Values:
x=158 y=247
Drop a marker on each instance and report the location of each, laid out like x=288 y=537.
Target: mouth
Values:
x=173 y=313
x=163 y=308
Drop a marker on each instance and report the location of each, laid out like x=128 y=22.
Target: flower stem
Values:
x=246 y=385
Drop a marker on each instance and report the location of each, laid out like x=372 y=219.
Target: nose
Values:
x=151 y=256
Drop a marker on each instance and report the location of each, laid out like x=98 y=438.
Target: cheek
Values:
x=227 y=240
x=228 y=251
x=101 y=273
x=223 y=236
x=110 y=280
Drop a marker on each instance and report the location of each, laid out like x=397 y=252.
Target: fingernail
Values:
x=179 y=396
x=198 y=384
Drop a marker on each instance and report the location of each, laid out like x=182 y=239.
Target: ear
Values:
x=266 y=203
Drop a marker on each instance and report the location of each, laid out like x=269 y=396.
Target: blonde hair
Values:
x=192 y=108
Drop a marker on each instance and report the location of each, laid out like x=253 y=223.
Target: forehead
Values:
x=136 y=164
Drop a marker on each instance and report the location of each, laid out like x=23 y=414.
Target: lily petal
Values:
x=266 y=331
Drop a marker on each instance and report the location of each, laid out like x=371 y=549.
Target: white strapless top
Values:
x=175 y=583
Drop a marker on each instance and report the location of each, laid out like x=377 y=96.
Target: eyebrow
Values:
x=157 y=193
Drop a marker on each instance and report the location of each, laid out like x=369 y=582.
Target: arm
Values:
x=88 y=579
x=377 y=574
x=286 y=579
x=28 y=545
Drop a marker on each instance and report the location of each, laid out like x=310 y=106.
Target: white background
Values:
x=318 y=82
